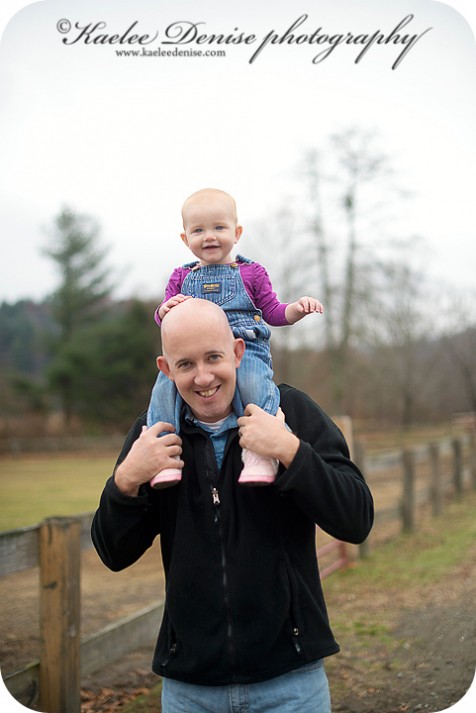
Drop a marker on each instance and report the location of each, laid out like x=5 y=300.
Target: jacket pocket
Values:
x=294 y=616
x=172 y=648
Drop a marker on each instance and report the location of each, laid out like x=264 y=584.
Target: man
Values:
x=245 y=626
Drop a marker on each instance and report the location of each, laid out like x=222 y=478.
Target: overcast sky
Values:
x=126 y=139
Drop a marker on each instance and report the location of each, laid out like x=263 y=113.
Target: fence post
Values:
x=408 y=495
x=59 y=557
x=458 y=466
x=472 y=458
x=344 y=423
x=436 y=486
x=359 y=458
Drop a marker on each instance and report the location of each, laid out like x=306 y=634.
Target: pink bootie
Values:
x=166 y=478
x=258 y=470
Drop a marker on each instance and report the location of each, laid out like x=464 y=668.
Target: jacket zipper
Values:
x=229 y=628
x=216 y=505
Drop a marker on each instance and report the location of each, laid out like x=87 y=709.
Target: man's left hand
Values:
x=267 y=435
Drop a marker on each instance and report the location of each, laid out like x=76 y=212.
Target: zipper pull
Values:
x=216 y=504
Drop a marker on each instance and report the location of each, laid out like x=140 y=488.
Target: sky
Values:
x=126 y=139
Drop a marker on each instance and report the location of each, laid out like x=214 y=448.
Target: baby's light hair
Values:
x=202 y=194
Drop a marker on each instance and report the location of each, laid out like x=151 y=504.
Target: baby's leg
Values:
x=255 y=385
x=165 y=405
x=255 y=377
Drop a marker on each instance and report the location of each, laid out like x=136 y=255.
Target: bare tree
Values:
x=277 y=244
x=403 y=332
x=460 y=339
x=342 y=261
x=316 y=227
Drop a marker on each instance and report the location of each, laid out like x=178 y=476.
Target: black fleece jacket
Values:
x=243 y=596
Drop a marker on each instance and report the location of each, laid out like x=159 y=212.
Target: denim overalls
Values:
x=223 y=285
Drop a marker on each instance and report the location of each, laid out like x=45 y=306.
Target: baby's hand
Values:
x=306 y=305
x=172 y=302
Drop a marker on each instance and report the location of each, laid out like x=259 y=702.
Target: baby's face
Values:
x=211 y=228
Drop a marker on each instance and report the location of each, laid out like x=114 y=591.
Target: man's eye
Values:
x=214 y=357
x=184 y=365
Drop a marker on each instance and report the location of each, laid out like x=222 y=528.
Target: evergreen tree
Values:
x=81 y=300
x=112 y=366
x=84 y=280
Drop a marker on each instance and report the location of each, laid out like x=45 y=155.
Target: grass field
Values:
x=35 y=487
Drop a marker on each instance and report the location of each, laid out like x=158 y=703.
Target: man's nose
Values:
x=203 y=375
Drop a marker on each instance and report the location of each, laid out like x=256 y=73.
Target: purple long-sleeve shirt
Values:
x=257 y=285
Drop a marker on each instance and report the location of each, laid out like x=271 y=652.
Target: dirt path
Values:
x=405 y=647
x=415 y=650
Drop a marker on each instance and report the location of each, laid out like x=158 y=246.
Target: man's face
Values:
x=203 y=364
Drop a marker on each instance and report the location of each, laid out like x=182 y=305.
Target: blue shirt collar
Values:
x=229 y=422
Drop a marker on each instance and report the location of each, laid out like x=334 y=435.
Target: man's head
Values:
x=210 y=225
x=201 y=355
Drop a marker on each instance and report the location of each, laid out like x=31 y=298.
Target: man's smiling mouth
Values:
x=209 y=392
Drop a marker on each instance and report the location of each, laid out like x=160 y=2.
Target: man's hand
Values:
x=148 y=455
x=267 y=435
x=304 y=305
x=172 y=302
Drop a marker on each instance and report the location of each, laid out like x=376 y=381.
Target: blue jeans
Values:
x=304 y=690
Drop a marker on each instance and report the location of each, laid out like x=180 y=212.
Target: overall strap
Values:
x=240 y=258
x=191 y=265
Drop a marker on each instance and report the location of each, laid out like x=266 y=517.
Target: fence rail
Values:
x=56 y=543
x=96 y=652
x=450 y=466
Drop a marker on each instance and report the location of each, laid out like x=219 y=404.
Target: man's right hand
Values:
x=148 y=455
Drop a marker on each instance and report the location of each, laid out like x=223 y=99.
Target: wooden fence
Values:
x=420 y=475
x=53 y=682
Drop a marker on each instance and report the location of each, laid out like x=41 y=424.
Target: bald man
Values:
x=245 y=626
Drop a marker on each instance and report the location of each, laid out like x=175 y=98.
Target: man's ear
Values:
x=163 y=365
x=239 y=349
